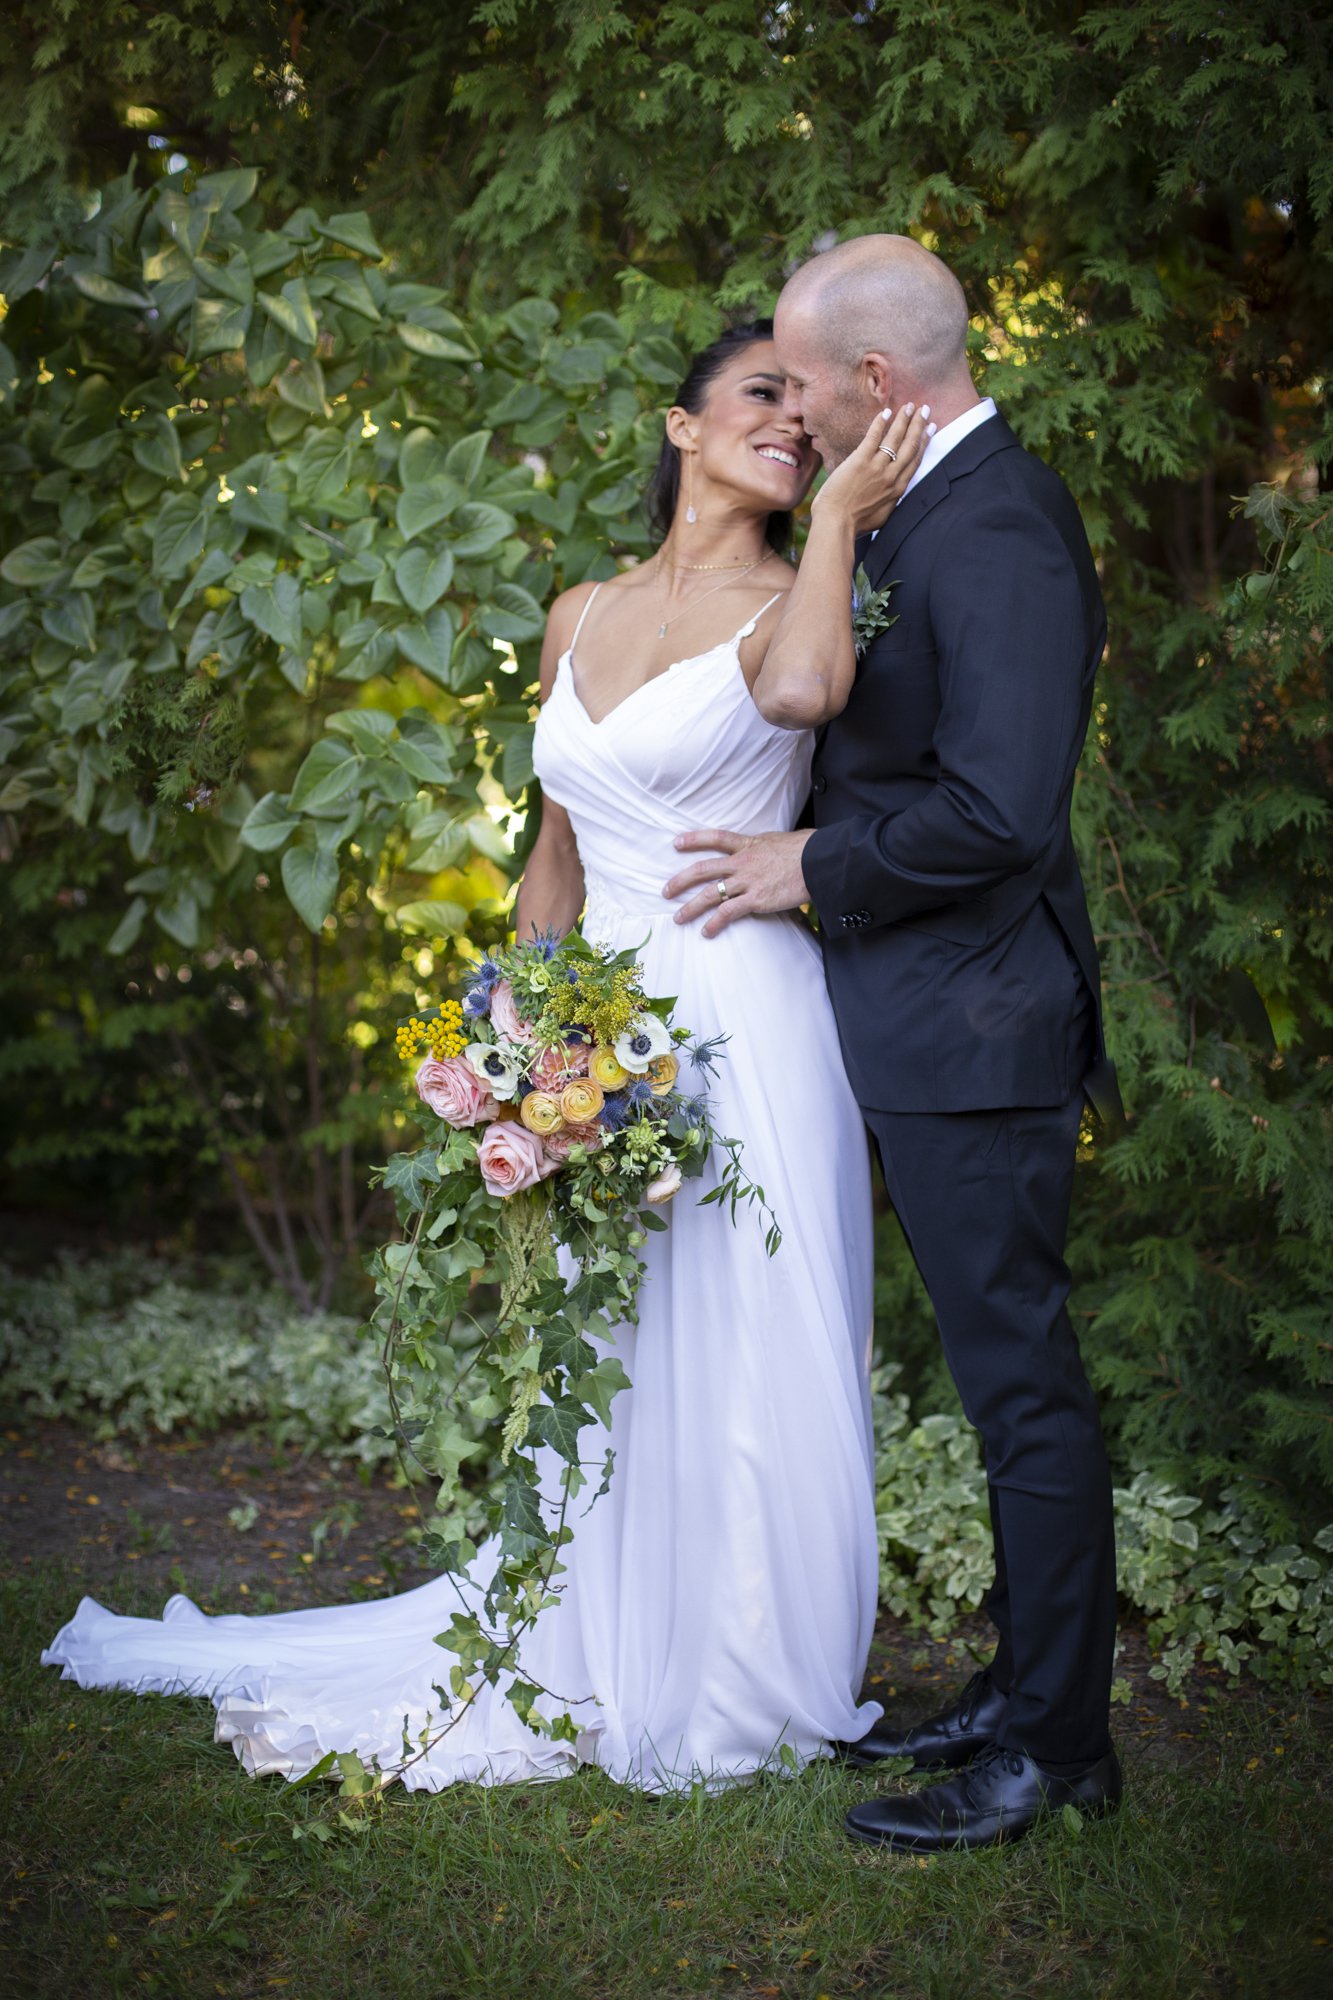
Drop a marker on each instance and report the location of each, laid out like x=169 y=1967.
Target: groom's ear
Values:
x=877 y=380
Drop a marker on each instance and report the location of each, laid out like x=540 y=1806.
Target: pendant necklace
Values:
x=745 y=571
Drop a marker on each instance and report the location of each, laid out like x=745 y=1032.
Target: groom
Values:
x=963 y=974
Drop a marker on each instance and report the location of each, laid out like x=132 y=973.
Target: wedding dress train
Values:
x=720 y=1598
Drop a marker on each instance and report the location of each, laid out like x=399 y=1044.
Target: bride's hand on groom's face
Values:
x=760 y=873
x=868 y=485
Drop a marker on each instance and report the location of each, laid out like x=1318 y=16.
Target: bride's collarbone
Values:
x=623 y=649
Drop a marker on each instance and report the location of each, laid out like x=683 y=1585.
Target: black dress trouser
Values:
x=983 y=1198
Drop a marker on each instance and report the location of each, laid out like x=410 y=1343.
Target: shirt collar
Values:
x=944 y=440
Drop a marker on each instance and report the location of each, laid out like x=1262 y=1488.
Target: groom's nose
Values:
x=791 y=406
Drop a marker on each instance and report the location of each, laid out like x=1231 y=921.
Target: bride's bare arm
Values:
x=550 y=896
x=810 y=663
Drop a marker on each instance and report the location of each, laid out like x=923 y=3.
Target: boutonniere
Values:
x=870 y=610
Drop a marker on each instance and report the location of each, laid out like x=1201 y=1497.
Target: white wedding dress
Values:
x=719 y=1599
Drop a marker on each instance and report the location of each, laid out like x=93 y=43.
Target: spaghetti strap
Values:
x=583 y=614
x=746 y=630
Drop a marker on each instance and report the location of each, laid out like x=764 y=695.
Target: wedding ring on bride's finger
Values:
x=888 y=451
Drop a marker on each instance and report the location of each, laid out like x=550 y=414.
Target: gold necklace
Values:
x=736 y=565
x=662 y=627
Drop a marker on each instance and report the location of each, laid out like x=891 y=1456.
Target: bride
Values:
x=719 y=1599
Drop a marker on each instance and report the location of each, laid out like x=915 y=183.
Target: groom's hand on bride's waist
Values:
x=740 y=875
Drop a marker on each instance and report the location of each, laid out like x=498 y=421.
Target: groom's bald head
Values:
x=875 y=321
x=883 y=294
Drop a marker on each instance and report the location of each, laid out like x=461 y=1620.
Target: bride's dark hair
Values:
x=663 y=491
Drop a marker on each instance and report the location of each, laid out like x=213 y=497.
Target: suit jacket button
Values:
x=821 y=785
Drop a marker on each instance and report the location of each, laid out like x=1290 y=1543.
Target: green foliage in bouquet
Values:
x=561 y=1126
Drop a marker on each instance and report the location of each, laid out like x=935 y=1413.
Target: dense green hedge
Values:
x=1139 y=203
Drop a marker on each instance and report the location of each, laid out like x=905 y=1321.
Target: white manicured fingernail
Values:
x=884 y=416
x=931 y=430
x=908 y=408
x=925 y=409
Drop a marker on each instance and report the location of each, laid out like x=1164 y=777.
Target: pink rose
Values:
x=511 y=1158
x=554 y=1068
x=505 y=1017
x=559 y=1145
x=455 y=1092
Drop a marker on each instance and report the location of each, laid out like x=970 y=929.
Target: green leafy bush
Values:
x=1209 y=1582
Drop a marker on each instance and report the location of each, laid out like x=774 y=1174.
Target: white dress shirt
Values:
x=944 y=441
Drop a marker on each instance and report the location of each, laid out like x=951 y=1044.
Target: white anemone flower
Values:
x=646 y=1038
x=497 y=1070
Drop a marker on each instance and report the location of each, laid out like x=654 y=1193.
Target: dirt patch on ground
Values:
x=240 y=1526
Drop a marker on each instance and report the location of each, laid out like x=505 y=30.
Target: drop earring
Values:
x=690 y=514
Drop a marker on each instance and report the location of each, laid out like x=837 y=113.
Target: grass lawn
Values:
x=137 y=1858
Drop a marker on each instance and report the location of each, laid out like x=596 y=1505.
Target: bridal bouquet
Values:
x=558 y=1114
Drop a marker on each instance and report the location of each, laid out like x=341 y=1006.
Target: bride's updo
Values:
x=663 y=491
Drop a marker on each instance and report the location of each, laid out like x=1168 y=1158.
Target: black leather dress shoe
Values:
x=1000 y=1796
x=944 y=1741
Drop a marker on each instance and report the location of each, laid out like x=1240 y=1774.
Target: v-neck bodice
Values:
x=682 y=750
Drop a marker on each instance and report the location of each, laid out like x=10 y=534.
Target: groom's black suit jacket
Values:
x=954 y=920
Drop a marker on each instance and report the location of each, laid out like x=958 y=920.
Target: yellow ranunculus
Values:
x=541 y=1113
x=605 y=1068
x=581 y=1100
x=662 y=1073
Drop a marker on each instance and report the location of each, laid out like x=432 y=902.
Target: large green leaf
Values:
x=513 y=613
x=276 y=609
x=466 y=458
x=423 y=576
x=433 y=346
x=421 y=506
x=429 y=643
x=293 y=310
x=179 y=535
x=440 y=919
x=369 y=729
x=310 y=878
x=330 y=771
x=217 y=326
x=268 y=824
x=33 y=563
x=478 y=528
x=106 y=291
x=354 y=233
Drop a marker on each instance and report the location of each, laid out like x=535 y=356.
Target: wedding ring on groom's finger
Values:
x=722 y=892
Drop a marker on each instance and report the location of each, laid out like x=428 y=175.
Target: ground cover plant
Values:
x=134 y=1348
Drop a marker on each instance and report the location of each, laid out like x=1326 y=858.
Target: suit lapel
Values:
x=982 y=443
